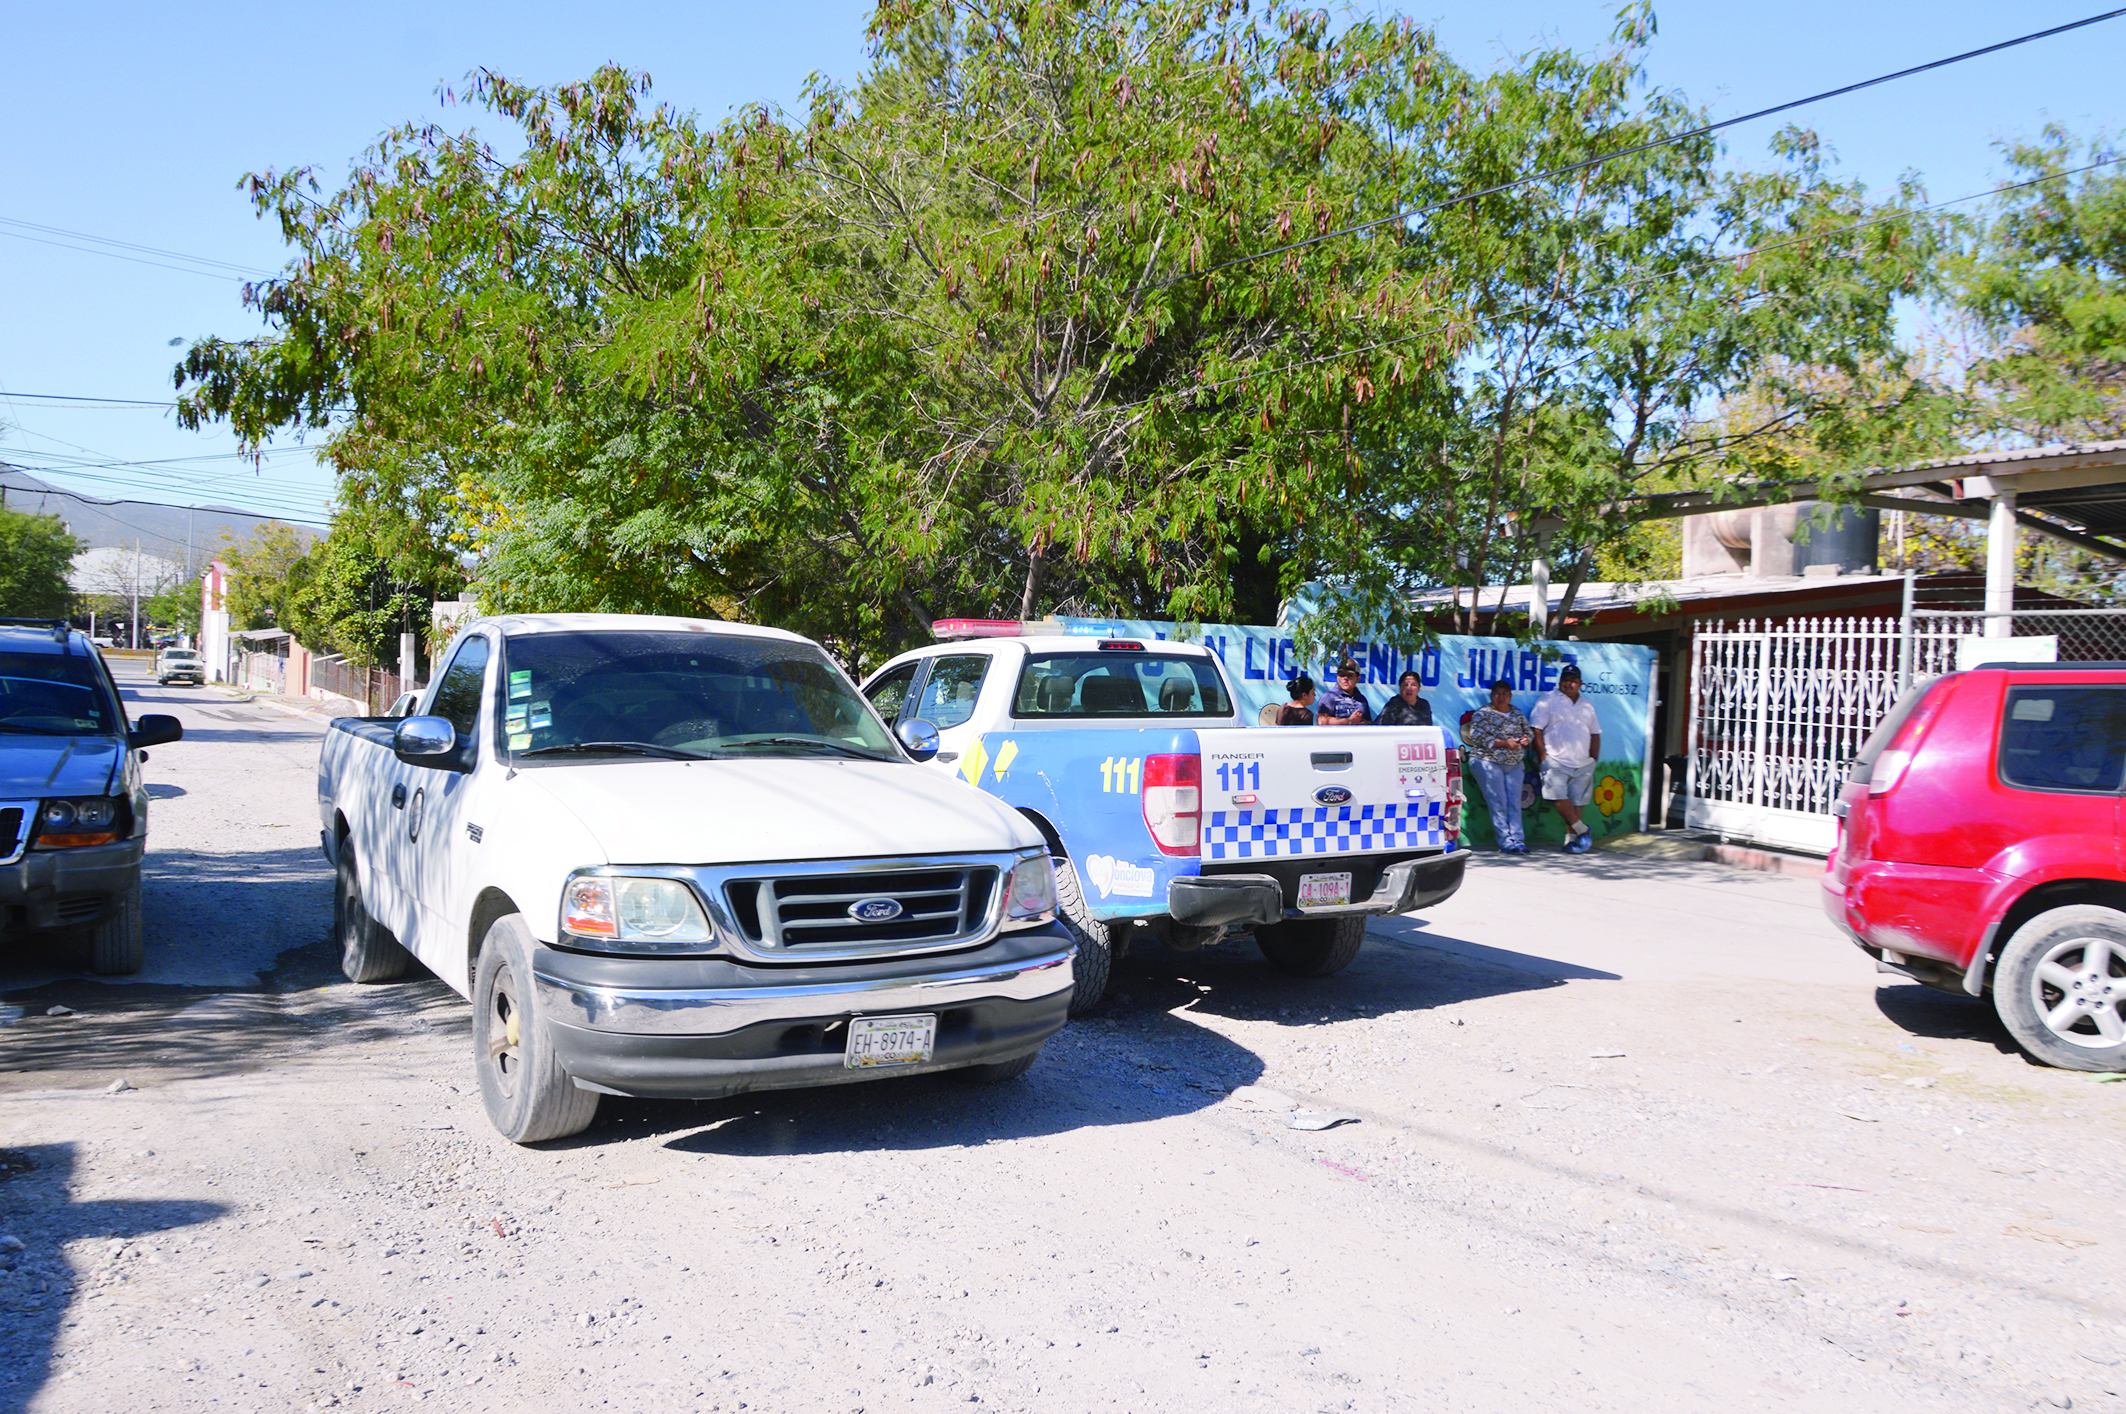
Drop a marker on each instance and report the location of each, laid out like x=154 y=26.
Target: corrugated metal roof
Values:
x=2025 y=454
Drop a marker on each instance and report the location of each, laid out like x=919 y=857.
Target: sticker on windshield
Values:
x=518 y=741
x=541 y=715
x=520 y=684
x=516 y=718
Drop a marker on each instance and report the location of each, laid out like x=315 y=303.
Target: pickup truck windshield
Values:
x=708 y=695
x=1119 y=683
x=52 y=694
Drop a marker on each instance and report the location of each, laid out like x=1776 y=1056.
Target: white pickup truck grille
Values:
x=828 y=912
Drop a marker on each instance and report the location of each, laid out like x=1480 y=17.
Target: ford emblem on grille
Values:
x=1332 y=795
x=875 y=910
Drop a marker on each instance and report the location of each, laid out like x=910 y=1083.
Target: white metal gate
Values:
x=1777 y=711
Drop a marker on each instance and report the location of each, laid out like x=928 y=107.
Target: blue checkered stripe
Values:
x=1322 y=829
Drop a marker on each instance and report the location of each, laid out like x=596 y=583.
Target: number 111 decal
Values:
x=1244 y=775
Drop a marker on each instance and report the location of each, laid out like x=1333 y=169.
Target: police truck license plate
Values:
x=1324 y=890
x=890 y=1040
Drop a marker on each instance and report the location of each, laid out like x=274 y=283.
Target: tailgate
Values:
x=1283 y=792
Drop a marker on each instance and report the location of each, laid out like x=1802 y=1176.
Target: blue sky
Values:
x=135 y=123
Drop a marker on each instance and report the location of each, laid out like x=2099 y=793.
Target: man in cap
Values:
x=1568 y=742
x=1341 y=705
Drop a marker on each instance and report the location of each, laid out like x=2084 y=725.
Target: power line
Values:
x=103 y=505
x=228 y=265
x=1418 y=212
x=79 y=398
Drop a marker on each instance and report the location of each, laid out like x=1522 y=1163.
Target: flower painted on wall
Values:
x=1609 y=795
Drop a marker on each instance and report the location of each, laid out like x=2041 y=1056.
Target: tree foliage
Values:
x=35 y=554
x=1093 y=305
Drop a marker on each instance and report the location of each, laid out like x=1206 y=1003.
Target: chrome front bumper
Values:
x=719 y=1011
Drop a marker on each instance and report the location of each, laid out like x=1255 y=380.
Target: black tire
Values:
x=367 y=952
x=998 y=1072
x=528 y=1096
x=1313 y=947
x=2060 y=988
x=115 y=947
x=1095 y=962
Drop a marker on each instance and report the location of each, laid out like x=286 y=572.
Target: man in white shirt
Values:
x=1568 y=741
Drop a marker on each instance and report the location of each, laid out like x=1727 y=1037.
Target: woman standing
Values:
x=1299 y=712
x=1495 y=738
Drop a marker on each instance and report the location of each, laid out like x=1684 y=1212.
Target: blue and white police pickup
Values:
x=1171 y=821
x=676 y=858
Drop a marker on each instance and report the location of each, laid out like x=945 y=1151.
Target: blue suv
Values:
x=73 y=807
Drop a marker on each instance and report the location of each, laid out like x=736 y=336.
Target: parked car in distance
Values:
x=1979 y=850
x=180 y=665
x=73 y=806
x=675 y=858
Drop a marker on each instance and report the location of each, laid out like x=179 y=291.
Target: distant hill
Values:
x=189 y=536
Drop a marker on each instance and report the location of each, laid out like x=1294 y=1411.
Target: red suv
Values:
x=1979 y=850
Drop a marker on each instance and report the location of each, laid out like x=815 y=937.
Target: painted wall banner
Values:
x=1457 y=675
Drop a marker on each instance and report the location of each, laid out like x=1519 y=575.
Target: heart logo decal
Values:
x=1100 y=868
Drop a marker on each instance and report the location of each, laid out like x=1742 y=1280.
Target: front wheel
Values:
x=998 y=1072
x=1312 y=947
x=1095 y=961
x=115 y=947
x=2060 y=988
x=527 y=1095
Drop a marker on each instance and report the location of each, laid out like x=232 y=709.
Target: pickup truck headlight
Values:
x=632 y=915
x=74 y=824
x=1030 y=892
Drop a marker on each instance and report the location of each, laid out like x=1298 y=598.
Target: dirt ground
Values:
x=1630 y=1134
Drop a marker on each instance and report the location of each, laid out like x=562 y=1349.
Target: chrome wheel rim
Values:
x=2079 y=989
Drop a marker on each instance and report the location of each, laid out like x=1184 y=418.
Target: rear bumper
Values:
x=1211 y=900
x=703 y=1042
x=66 y=887
x=1915 y=911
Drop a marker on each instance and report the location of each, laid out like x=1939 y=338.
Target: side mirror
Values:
x=424 y=737
x=155 y=729
x=919 y=737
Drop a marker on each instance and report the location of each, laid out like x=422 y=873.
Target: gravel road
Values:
x=1630 y=1135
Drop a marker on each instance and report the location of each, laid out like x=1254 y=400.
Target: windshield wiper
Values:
x=616 y=748
x=50 y=731
x=820 y=742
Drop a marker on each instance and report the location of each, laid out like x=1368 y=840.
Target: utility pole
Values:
x=136 y=592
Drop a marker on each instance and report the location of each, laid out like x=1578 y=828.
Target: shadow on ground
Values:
x=1413 y=971
x=1944 y=1016
x=37 y=1283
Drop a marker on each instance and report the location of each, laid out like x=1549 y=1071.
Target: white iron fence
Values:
x=1779 y=710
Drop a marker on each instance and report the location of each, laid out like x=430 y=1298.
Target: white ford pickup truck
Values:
x=1170 y=820
x=666 y=857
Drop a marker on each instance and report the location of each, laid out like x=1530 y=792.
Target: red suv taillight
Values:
x=1896 y=758
x=1173 y=802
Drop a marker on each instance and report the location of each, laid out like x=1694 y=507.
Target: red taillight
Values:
x=1896 y=758
x=1451 y=813
x=1173 y=802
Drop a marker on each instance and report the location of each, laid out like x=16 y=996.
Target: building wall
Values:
x=214 y=621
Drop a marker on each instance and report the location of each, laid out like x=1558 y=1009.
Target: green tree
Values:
x=35 y=554
x=175 y=607
x=2043 y=276
x=267 y=568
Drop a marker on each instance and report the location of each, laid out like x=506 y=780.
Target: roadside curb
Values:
x=1735 y=856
